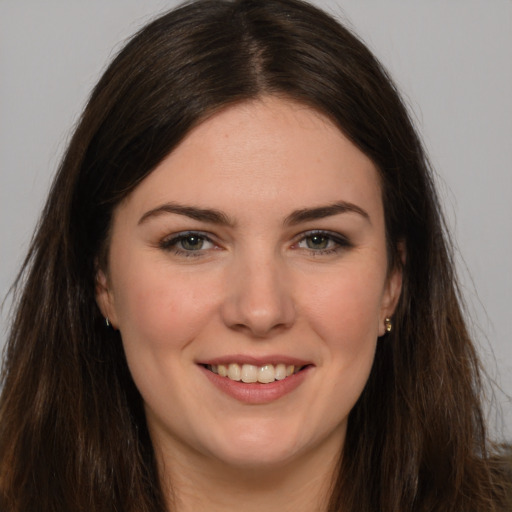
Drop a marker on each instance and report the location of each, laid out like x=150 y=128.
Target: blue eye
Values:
x=188 y=243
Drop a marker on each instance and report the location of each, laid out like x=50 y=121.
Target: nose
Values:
x=259 y=299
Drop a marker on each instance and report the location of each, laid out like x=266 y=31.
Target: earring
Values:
x=388 y=324
x=107 y=321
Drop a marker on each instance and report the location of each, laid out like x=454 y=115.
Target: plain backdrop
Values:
x=452 y=60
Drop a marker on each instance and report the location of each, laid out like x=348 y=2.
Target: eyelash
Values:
x=171 y=244
x=340 y=243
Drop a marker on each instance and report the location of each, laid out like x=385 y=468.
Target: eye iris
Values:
x=192 y=243
x=317 y=242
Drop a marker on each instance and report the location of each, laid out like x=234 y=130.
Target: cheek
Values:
x=160 y=315
x=343 y=311
x=158 y=308
x=344 y=307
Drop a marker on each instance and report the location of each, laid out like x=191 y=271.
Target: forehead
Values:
x=267 y=152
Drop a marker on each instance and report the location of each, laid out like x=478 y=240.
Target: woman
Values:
x=241 y=291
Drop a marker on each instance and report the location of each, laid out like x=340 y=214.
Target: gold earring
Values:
x=388 y=324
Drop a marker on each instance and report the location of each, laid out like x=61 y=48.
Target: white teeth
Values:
x=234 y=372
x=250 y=373
x=266 y=374
x=280 y=372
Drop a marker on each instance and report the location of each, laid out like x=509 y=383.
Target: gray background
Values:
x=451 y=59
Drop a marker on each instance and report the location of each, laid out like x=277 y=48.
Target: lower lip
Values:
x=257 y=393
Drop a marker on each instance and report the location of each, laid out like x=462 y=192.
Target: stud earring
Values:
x=388 y=324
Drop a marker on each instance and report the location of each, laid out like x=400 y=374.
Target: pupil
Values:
x=192 y=243
x=317 y=242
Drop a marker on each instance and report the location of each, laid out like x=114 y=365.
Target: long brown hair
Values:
x=72 y=428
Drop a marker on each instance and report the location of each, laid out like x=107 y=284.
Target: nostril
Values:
x=259 y=303
x=259 y=331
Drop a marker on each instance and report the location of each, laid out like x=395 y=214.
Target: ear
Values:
x=392 y=291
x=105 y=297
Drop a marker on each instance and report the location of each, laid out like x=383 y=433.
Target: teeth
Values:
x=234 y=372
x=249 y=373
x=266 y=374
x=280 y=372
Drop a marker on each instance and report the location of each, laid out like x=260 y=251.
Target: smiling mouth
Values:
x=249 y=373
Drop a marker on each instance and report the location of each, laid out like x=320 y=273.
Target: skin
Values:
x=258 y=286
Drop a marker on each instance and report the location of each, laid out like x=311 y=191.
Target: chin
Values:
x=259 y=447
x=256 y=459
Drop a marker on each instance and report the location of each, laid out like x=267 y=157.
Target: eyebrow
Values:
x=209 y=215
x=218 y=217
x=320 y=212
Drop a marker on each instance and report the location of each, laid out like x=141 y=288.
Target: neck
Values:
x=196 y=484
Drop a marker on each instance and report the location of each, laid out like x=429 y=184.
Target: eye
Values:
x=322 y=242
x=188 y=243
x=316 y=242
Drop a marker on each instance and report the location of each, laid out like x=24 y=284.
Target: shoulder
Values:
x=501 y=468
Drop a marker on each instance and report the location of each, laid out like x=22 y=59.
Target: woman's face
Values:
x=248 y=278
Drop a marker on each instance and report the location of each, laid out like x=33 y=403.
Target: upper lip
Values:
x=256 y=361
